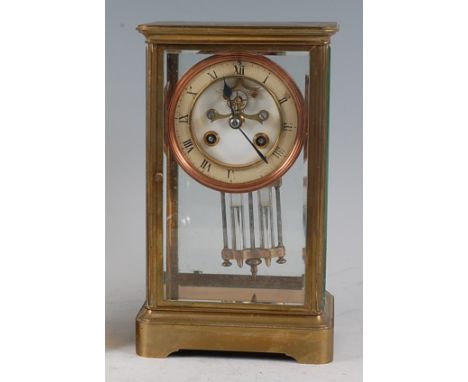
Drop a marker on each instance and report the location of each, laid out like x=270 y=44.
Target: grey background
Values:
x=125 y=192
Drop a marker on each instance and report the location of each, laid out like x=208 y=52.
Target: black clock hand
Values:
x=227 y=92
x=253 y=145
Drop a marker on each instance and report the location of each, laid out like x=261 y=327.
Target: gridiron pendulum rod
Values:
x=279 y=221
x=270 y=210
x=260 y=219
x=251 y=221
x=223 y=214
x=233 y=227
x=242 y=220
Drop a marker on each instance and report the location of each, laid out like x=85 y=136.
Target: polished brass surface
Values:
x=317 y=178
x=213 y=115
x=154 y=173
x=276 y=34
x=260 y=117
x=165 y=325
x=307 y=339
x=172 y=193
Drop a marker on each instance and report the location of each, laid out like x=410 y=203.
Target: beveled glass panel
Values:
x=235 y=247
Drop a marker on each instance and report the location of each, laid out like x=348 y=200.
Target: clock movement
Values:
x=237 y=122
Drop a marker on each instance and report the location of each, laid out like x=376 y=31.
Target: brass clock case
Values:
x=178 y=312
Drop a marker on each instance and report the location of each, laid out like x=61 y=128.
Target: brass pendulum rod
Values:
x=260 y=220
x=253 y=263
x=270 y=212
x=237 y=225
x=226 y=262
x=266 y=218
x=251 y=222
x=279 y=222
x=270 y=234
x=233 y=227
x=223 y=216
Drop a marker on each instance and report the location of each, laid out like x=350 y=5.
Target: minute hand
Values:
x=257 y=150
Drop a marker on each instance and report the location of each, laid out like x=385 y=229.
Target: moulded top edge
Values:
x=238 y=28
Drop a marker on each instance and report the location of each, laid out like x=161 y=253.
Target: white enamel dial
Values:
x=231 y=147
x=235 y=122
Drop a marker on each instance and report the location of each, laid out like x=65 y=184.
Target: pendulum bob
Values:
x=253 y=257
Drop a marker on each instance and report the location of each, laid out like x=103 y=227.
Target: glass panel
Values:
x=235 y=247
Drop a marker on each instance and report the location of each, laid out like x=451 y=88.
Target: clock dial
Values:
x=235 y=122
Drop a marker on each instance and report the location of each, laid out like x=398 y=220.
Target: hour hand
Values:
x=227 y=90
x=261 y=116
x=213 y=115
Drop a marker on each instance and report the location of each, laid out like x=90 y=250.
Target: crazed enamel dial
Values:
x=235 y=122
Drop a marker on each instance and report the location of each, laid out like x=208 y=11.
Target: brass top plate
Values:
x=293 y=30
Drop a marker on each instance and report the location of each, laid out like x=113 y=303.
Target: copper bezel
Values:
x=226 y=186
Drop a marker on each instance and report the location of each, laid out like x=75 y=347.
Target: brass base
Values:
x=307 y=339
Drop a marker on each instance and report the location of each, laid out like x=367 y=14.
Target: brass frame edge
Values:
x=317 y=151
x=279 y=33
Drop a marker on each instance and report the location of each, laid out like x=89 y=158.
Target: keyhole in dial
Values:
x=211 y=138
x=261 y=140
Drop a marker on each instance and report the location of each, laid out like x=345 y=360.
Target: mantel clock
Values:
x=237 y=121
